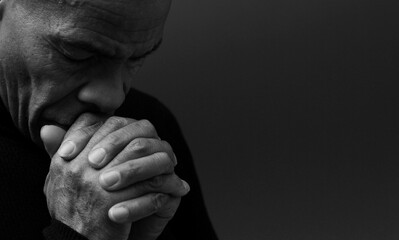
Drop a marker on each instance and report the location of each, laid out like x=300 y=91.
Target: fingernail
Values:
x=97 y=156
x=109 y=179
x=119 y=214
x=66 y=149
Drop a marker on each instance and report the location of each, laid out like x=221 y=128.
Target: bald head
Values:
x=61 y=58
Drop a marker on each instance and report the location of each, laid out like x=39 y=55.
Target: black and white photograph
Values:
x=199 y=120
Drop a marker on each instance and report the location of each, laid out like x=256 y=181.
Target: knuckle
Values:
x=85 y=116
x=138 y=145
x=85 y=132
x=145 y=123
x=57 y=166
x=157 y=201
x=113 y=139
x=155 y=182
x=117 y=121
x=75 y=172
x=169 y=150
x=73 y=178
x=161 y=156
x=164 y=161
x=147 y=126
x=167 y=146
x=132 y=169
x=93 y=127
x=89 y=119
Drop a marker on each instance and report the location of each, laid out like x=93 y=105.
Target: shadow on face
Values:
x=63 y=58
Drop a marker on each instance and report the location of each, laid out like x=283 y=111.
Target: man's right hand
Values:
x=134 y=182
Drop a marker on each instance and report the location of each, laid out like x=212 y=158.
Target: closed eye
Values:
x=74 y=53
x=134 y=59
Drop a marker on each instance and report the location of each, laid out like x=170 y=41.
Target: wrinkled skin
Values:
x=48 y=74
x=148 y=187
x=66 y=66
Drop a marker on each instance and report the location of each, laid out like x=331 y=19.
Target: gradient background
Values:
x=291 y=111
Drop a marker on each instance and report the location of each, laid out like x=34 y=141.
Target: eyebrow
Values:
x=102 y=48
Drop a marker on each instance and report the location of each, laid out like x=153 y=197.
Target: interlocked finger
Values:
x=79 y=134
x=141 y=147
x=169 y=184
x=136 y=170
x=113 y=142
x=138 y=208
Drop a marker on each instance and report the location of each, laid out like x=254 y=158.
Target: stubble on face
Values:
x=125 y=28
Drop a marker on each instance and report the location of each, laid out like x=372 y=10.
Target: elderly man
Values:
x=67 y=70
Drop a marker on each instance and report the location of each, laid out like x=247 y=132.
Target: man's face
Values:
x=62 y=58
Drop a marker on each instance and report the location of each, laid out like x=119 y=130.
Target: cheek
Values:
x=129 y=74
x=50 y=76
x=45 y=64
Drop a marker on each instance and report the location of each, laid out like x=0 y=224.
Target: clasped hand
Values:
x=111 y=178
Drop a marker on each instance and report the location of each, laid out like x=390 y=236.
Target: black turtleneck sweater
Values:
x=24 y=166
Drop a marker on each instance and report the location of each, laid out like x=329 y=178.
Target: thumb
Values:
x=52 y=137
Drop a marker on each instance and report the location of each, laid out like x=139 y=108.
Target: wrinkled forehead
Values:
x=121 y=21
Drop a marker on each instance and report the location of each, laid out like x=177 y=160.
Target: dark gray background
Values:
x=291 y=111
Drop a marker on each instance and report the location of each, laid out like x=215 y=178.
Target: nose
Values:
x=106 y=94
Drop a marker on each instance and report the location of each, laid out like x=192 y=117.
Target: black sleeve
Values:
x=191 y=220
x=59 y=231
x=26 y=166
